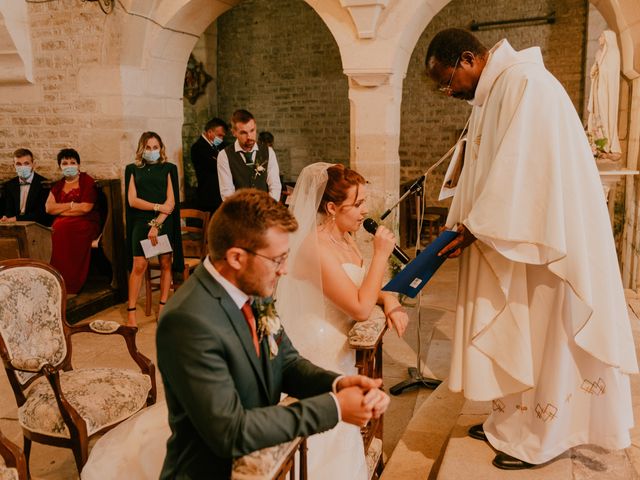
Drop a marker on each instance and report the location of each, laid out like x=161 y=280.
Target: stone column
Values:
x=375 y=98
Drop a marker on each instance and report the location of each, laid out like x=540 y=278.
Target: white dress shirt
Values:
x=226 y=180
x=25 y=186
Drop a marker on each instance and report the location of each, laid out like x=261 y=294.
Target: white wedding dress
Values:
x=337 y=454
x=135 y=449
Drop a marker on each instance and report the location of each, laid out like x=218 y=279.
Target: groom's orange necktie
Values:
x=251 y=321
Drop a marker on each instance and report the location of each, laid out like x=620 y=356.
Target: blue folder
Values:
x=417 y=273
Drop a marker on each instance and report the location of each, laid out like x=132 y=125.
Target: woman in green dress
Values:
x=151 y=186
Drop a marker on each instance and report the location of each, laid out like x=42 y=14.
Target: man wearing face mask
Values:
x=25 y=195
x=204 y=156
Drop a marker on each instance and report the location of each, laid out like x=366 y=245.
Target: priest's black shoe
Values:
x=507 y=462
x=477 y=432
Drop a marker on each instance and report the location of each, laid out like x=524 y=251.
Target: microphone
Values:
x=370 y=225
x=417 y=185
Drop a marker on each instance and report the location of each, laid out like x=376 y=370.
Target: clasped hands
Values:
x=361 y=399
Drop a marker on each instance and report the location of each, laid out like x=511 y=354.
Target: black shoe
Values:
x=507 y=462
x=477 y=432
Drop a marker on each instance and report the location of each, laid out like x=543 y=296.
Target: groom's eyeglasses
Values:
x=278 y=261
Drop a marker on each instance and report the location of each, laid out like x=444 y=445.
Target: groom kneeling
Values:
x=223 y=374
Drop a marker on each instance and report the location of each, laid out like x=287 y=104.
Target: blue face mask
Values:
x=70 y=171
x=24 y=171
x=151 y=156
x=217 y=141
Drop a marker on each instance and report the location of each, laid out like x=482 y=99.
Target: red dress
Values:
x=72 y=236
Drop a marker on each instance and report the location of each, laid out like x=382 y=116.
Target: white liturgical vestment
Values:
x=542 y=327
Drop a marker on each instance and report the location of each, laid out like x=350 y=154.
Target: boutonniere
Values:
x=268 y=322
x=258 y=169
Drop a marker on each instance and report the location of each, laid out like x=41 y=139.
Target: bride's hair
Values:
x=340 y=180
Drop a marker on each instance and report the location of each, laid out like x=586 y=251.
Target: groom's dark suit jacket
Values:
x=221 y=397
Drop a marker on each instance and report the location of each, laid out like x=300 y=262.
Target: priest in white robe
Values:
x=542 y=328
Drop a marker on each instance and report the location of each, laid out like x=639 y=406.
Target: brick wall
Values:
x=431 y=122
x=53 y=114
x=279 y=61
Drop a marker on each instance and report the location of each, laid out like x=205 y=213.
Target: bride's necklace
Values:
x=71 y=181
x=344 y=245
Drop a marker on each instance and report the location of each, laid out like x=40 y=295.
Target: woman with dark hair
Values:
x=77 y=222
x=151 y=186
x=327 y=289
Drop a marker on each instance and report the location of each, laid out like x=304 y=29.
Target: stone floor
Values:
x=424 y=430
x=435 y=444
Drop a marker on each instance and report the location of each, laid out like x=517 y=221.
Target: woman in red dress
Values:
x=77 y=222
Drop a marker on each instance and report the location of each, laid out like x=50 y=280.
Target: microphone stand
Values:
x=416 y=379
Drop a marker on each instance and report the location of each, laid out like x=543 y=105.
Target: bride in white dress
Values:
x=327 y=289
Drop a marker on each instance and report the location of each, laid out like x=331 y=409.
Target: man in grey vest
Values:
x=245 y=164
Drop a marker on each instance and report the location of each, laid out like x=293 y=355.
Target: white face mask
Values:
x=24 y=171
x=151 y=156
x=70 y=170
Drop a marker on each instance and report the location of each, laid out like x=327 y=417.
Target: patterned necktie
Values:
x=251 y=321
x=247 y=157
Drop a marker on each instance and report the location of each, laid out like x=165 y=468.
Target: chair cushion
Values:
x=102 y=397
x=7 y=473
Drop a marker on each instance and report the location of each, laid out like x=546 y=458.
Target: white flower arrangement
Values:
x=259 y=168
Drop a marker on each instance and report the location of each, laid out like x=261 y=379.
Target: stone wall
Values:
x=279 y=61
x=63 y=107
x=432 y=122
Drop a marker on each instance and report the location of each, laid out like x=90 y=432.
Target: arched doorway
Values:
x=292 y=82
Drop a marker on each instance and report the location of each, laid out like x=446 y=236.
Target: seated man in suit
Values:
x=204 y=156
x=223 y=374
x=25 y=195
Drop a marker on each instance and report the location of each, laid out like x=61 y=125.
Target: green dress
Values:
x=151 y=185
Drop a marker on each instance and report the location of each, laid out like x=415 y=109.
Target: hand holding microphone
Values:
x=371 y=226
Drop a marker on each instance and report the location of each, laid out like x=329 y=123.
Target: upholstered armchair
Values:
x=58 y=405
x=13 y=466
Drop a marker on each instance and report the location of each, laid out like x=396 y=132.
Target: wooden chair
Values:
x=366 y=339
x=59 y=405
x=194 y=247
x=13 y=465
x=434 y=218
